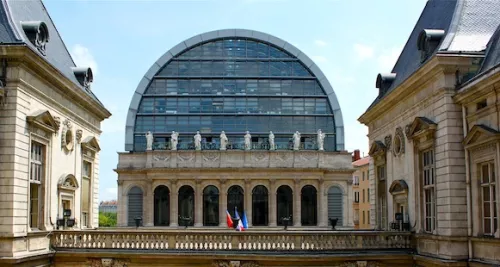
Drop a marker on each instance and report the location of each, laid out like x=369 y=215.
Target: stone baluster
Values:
x=297 y=204
x=272 y=202
x=222 y=203
x=174 y=199
x=248 y=201
x=198 y=216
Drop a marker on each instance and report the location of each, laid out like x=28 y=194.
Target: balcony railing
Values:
x=203 y=240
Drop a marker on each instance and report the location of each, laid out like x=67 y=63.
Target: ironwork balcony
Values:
x=227 y=241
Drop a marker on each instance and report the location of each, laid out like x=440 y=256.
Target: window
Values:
x=368 y=195
x=363 y=176
x=37 y=172
x=428 y=188
x=356 y=197
x=488 y=197
x=364 y=221
x=86 y=199
x=382 y=197
x=363 y=196
x=368 y=217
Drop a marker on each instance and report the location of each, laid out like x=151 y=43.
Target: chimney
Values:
x=356 y=155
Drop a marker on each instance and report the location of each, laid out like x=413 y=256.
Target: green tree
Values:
x=107 y=219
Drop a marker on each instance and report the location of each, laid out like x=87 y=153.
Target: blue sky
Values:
x=350 y=40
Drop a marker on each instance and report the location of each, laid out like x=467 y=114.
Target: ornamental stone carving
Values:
x=165 y=157
x=407 y=131
x=211 y=156
x=79 y=134
x=197 y=141
x=185 y=156
x=224 y=263
x=67 y=138
x=109 y=262
x=296 y=140
x=57 y=120
x=388 y=141
x=399 y=142
x=149 y=140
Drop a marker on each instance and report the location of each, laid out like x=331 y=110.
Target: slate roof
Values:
x=13 y=12
x=492 y=58
x=468 y=26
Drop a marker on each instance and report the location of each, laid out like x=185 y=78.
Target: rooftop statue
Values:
x=197 y=141
x=174 y=140
x=272 y=146
x=321 y=140
x=149 y=140
x=296 y=140
x=223 y=140
x=248 y=141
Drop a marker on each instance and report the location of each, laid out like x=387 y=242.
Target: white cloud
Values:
x=320 y=43
x=83 y=58
x=388 y=58
x=111 y=193
x=363 y=51
x=319 y=59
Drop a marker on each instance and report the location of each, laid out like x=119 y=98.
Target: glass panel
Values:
x=485 y=173
x=85 y=195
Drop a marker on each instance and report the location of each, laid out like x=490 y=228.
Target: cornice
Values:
x=51 y=75
x=478 y=89
x=231 y=170
x=439 y=64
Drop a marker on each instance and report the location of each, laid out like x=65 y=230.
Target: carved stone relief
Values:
x=407 y=131
x=259 y=156
x=58 y=123
x=109 y=262
x=211 y=156
x=165 y=157
x=283 y=157
x=388 y=141
x=184 y=157
x=79 y=134
x=223 y=263
x=399 y=142
x=67 y=137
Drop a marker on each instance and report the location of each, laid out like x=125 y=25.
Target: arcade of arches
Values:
x=206 y=205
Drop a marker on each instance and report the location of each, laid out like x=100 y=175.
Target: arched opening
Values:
x=260 y=213
x=284 y=200
x=335 y=204
x=235 y=200
x=134 y=205
x=211 y=206
x=309 y=208
x=186 y=206
x=162 y=206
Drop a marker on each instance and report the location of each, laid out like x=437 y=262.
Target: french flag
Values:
x=229 y=220
x=240 y=226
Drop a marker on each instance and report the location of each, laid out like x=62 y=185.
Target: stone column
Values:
x=174 y=200
x=198 y=205
x=122 y=213
x=272 y=202
x=322 y=204
x=297 y=204
x=248 y=201
x=222 y=203
x=148 y=204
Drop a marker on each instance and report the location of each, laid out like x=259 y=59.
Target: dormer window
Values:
x=38 y=34
x=84 y=76
x=428 y=41
x=384 y=81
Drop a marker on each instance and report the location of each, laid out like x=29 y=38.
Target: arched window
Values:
x=134 y=204
x=309 y=208
x=186 y=206
x=284 y=200
x=235 y=199
x=211 y=206
x=260 y=213
x=335 y=204
x=162 y=206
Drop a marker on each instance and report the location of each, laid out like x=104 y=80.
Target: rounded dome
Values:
x=234 y=81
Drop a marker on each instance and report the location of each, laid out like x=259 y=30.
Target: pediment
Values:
x=376 y=148
x=421 y=125
x=43 y=119
x=398 y=186
x=67 y=181
x=479 y=134
x=90 y=142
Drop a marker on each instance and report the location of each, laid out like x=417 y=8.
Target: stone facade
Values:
x=434 y=146
x=49 y=147
x=223 y=169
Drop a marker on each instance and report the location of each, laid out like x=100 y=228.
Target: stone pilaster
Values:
x=248 y=201
x=322 y=204
x=297 y=204
x=148 y=204
x=198 y=205
x=174 y=214
x=222 y=203
x=272 y=202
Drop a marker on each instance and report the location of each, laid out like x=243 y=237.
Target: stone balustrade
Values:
x=236 y=159
x=220 y=241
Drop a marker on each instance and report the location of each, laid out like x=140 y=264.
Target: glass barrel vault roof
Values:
x=234 y=81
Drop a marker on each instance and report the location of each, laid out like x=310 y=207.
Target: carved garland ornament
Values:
x=67 y=137
x=388 y=141
x=399 y=142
